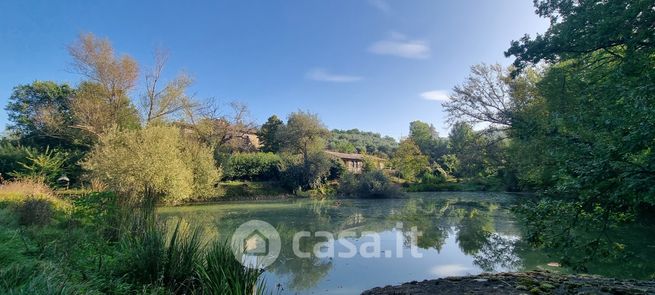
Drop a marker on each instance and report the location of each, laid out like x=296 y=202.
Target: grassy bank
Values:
x=49 y=245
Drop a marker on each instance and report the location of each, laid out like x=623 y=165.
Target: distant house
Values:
x=355 y=162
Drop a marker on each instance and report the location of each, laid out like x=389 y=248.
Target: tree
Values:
x=303 y=133
x=588 y=136
x=623 y=29
x=485 y=97
x=41 y=115
x=227 y=133
x=428 y=140
x=102 y=100
x=160 y=103
x=362 y=142
x=409 y=160
x=268 y=134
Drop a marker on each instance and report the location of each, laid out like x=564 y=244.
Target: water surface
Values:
x=462 y=234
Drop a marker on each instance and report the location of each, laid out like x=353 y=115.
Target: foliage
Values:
x=409 y=160
x=372 y=184
x=303 y=134
x=586 y=135
x=161 y=103
x=486 y=96
x=581 y=27
x=296 y=173
x=42 y=115
x=46 y=166
x=11 y=155
x=268 y=135
x=199 y=158
x=239 y=190
x=361 y=142
x=101 y=101
x=148 y=166
x=253 y=166
x=427 y=139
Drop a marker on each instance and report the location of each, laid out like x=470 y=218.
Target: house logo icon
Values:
x=256 y=244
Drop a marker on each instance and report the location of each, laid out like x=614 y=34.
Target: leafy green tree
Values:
x=409 y=160
x=41 y=115
x=623 y=29
x=428 y=140
x=303 y=134
x=268 y=135
x=587 y=137
x=343 y=146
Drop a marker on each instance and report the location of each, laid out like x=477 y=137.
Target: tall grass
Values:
x=182 y=264
x=17 y=192
x=221 y=273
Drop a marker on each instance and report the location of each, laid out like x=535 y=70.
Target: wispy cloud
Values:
x=401 y=46
x=381 y=5
x=436 y=95
x=323 y=75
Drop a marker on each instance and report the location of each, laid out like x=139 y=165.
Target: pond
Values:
x=460 y=234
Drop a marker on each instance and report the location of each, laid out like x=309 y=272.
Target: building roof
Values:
x=346 y=156
x=358 y=157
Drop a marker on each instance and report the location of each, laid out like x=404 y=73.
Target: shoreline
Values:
x=531 y=282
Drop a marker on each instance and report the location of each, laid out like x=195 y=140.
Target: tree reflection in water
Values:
x=471 y=222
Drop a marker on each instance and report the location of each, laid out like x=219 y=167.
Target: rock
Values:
x=546 y=286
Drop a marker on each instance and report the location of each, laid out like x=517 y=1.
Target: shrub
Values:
x=151 y=165
x=297 y=174
x=34 y=211
x=373 y=184
x=205 y=172
x=46 y=166
x=11 y=156
x=253 y=166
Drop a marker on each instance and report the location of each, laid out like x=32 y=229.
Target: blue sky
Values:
x=375 y=65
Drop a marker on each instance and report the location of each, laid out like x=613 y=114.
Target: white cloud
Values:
x=319 y=74
x=380 y=5
x=436 y=95
x=399 y=45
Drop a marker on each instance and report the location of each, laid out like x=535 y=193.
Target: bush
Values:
x=253 y=166
x=295 y=174
x=152 y=165
x=205 y=172
x=46 y=166
x=34 y=211
x=373 y=184
x=11 y=156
